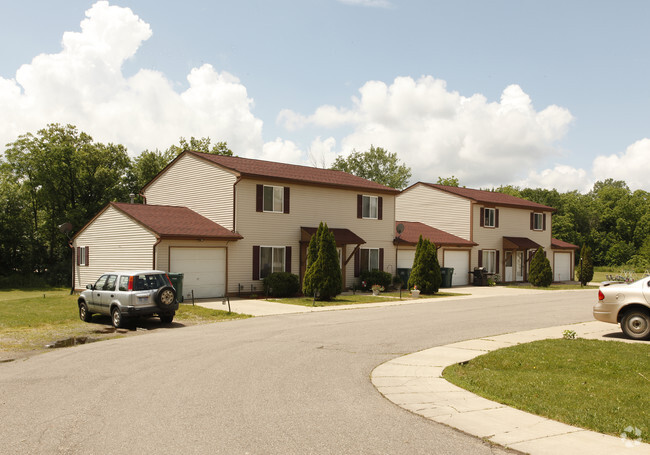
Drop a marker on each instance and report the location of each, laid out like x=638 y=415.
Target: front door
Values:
x=519 y=266
x=509 y=269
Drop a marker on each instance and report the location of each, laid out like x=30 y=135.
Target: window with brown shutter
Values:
x=287 y=259
x=380 y=209
x=286 y=199
x=381 y=259
x=256 y=262
x=259 y=198
x=359 y=207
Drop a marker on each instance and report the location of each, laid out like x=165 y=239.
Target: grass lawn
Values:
x=359 y=298
x=31 y=319
x=597 y=385
x=553 y=287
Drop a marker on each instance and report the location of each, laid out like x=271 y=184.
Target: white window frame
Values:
x=274 y=249
x=278 y=199
x=489 y=221
x=369 y=265
x=538 y=221
x=82 y=256
x=490 y=260
x=370 y=202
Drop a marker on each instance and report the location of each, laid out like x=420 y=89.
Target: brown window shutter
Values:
x=480 y=258
x=287 y=259
x=496 y=217
x=381 y=259
x=259 y=199
x=357 y=263
x=532 y=221
x=286 y=199
x=87 y=256
x=380 y=209
x=497 y=261
x=78 y=255
x=544 y=222
x=359 y=207
x=256 y=262
x=482 y=218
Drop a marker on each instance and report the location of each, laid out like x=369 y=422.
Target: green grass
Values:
x=597 y=385
x=553 y=287
x=29 y=321
x=359 y=298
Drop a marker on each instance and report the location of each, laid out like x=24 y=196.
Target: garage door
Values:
x=405 y=259
x=459 y=261
x=204 y=269
x=562 y=270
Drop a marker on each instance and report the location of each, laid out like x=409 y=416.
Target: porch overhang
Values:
x=519 y=243
x=341 y=236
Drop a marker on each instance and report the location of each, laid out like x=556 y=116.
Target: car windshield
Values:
x=146 y=282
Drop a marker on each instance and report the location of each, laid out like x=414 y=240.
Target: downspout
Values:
x=234 y=202
x=73 y=264
x=154 y=252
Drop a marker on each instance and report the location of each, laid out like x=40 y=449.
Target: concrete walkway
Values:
x=414 y=382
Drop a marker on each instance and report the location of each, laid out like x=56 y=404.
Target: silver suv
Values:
x=126 y=294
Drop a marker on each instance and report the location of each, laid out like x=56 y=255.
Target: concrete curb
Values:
x=414 y=382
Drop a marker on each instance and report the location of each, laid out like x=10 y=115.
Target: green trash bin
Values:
x=404 y=275
x=177 y=282
x=447 y=274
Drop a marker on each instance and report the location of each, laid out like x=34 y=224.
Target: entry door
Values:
x=519 y=266
x=509 y=269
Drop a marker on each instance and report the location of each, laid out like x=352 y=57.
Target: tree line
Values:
x=61 y=175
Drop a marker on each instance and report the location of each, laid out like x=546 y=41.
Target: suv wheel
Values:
x=166 y=318
x=165 y=297
x=116 y=318
x=84 y=314
x=636 y=324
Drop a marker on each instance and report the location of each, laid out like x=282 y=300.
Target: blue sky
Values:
x=551 y=94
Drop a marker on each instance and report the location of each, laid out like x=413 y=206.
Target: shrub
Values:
x=586 y=266
x=370 y=277
x=323 y=276
x=281 y=284
x=426 y=269
x=540 y=270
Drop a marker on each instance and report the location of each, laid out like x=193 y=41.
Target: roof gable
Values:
x=490 y=197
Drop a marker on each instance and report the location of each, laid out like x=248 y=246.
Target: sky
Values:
x=550 y=94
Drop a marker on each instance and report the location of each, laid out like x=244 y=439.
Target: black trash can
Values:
x=480 y=276
x=447 y=275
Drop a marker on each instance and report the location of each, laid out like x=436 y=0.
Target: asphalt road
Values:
x=290 y=384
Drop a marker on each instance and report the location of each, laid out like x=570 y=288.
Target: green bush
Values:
x=370 y=277
x=323 y=275
x=426 y=273
x=281 y=284
x=540 y=270
x=585 y=269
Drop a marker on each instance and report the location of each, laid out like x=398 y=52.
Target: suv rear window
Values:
x=149 y=281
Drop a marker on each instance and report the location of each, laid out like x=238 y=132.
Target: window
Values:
x=490 y=261
x=274 y=199
x=99 y=285
x=369 y=259
x=82 y=255
x=124 y=283
x=490 y=218
x=271 y=260
x=370 y=207
x=110 y=283
x=538 y=221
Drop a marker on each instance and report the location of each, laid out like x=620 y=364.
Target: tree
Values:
x=323 y=276
x=425 y=273
x=200 y=145
x=448 y=181
x=586 y=266
x=377 y=165
x=540 y=270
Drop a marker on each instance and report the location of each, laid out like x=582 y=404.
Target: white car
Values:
x=627 y=304
x=122 y=295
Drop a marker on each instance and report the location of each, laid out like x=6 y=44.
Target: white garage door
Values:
x=562 y=270
x=459 y=261
x=405 y=259
x=204 y=269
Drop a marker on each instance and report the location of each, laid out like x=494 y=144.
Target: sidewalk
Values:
x=414 y=382
x=261 y=307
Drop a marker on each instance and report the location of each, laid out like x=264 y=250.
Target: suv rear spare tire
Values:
x=165 y=297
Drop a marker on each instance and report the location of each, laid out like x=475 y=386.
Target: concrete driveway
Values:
x=289 y=384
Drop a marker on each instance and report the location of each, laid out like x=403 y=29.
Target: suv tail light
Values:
x=131 y=283
x=601 y=296
x=169 y=280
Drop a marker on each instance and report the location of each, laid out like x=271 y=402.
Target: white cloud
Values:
x=562 y=178
x=632 y=166
x=371 y=3
x=438 y=132
x=84 y=85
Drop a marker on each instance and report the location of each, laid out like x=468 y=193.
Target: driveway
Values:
x=290 y=384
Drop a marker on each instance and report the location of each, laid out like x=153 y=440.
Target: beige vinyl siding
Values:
x=116 y=242
x=436 y=208
x=162 y=250
x=513 y=222
x=309 y=205
x=196 y=184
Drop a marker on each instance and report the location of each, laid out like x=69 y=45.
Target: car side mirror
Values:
x=89 y=286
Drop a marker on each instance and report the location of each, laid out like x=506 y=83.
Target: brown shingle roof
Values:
x=175 y=222
x=292 y=172
x=519 y=243
x=562 y=245
x=341 y=236
x=413 y=230
x=490 y=197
